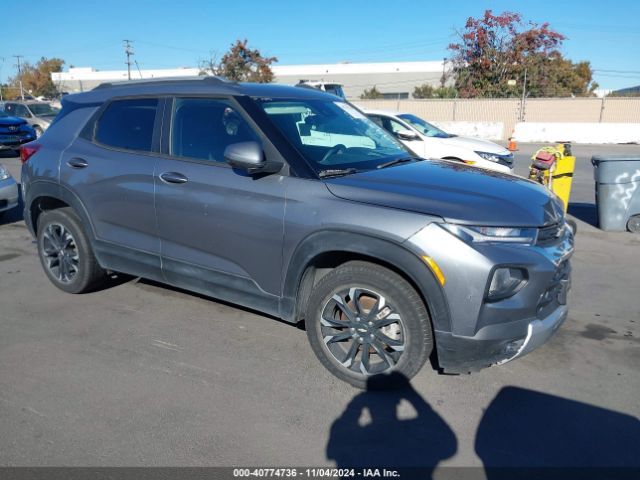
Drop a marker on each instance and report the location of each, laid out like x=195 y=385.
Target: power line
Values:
x=128 y=50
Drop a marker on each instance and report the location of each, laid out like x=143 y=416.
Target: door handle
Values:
x=173 y=177
x=77 y=163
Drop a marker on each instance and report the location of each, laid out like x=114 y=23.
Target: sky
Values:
x=169 y=34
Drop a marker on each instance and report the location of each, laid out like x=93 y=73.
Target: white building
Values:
x=392 y=79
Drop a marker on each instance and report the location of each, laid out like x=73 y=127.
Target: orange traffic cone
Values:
x=513 y=145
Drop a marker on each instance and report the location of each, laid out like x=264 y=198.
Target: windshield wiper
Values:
x=397 y=161
x=336 y=172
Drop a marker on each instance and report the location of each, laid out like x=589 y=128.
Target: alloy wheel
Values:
x=363 y=331
x=60 y=253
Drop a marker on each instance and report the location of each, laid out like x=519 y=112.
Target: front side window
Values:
x=128 y=124
x=202 y=128
x=332 y=134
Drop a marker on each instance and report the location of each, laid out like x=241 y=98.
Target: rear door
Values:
x=110 y=167
x=221 y=229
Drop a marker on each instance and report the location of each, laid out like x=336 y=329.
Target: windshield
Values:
x=43 y=110
x=424 y=127
x=333 y=134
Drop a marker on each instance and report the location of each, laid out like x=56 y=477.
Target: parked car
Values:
x=38 y=114
x=328 y=87
x=291 y=202
x=14 y=132
x=429 y=141
x=8 y=191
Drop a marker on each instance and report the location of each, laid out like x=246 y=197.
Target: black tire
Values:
x=368 y=282
x=573 y=226
x=53 y=228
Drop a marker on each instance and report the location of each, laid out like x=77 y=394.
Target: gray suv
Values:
x=291 y=202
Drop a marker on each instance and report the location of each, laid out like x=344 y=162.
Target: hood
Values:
x=453 y=191
x=8 y=121
x=476 y=144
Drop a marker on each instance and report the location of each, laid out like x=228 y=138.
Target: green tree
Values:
x=428 y=91
x=36 y=79
x=371 y=94
x=241 y=64
x=494 y=52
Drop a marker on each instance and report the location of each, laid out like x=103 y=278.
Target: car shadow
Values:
x=586 y=212
x=414 y=445
x=529 y=434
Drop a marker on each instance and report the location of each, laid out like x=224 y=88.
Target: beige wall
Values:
x=507 y=111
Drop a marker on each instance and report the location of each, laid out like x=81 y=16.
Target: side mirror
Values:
x=250 y=157
x=407 y=135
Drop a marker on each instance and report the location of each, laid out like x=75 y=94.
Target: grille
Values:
x=550 y=234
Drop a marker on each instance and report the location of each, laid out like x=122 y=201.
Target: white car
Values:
x=428 y=141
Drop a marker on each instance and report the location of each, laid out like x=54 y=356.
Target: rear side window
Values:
x=128 y=124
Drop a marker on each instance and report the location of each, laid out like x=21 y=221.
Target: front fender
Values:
x=385 y=251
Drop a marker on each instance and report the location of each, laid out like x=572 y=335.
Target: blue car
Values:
x=14 y=132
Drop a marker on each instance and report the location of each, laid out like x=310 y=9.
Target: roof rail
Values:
x=164 y=80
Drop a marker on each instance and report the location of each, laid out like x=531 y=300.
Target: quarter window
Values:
x=128 y=124
x=202 y=128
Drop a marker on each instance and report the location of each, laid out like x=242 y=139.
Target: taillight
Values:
x=27 y=150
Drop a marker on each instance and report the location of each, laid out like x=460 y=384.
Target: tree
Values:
x=241 y=64
x=36 y=79
x=371 y=94
x=428 y=91
x=495 y=50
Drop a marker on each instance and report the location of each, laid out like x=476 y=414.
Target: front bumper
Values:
x=484 y=333
x=458 y=354
x=8 y=194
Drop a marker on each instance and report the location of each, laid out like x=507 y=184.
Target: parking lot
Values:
x=143 y=374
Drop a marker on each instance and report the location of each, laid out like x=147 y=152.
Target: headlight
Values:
x=506 y=282
x=4 y=174
x=473 y=234
x=492 y=157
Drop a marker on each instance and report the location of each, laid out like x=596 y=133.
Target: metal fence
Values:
x=509 y=111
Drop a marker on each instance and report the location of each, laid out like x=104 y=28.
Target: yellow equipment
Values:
x=553 y=167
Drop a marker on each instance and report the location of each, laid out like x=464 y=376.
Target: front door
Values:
x=221 y=230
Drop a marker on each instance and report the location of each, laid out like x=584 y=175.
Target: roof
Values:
x=192 y=85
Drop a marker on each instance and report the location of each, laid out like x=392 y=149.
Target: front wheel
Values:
x=365 y=322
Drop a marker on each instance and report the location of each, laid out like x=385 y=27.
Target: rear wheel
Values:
x=365 y=322
x=633 y=225
x=65 y=252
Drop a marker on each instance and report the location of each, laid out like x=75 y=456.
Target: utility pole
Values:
x=524 y=95
x=1 y=65
x=18 y=57
x=443 y=79
x=128 y=50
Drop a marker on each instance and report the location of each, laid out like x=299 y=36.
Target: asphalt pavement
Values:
x=140 y=374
